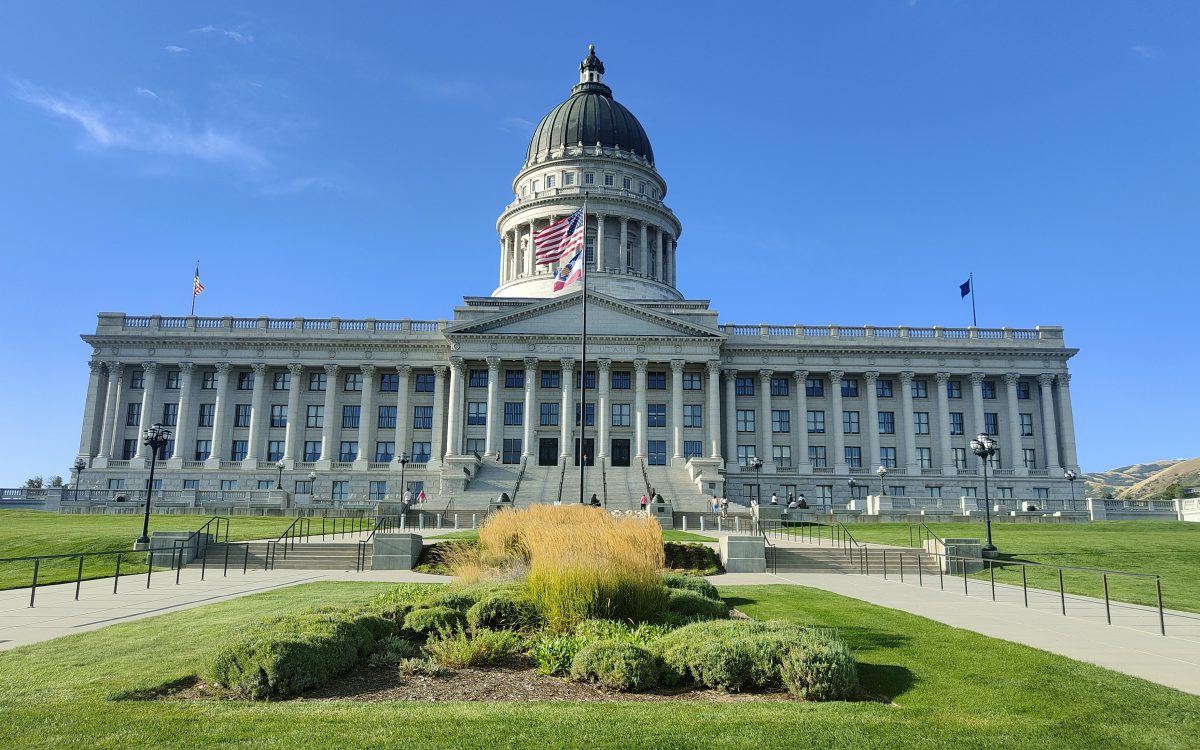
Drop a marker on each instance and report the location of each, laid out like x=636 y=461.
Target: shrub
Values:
x=288 y=655
x=502 y=609
x=690 y=604
x=439 y=558
x=553 y=654
x=692 y=558
x=392 y=650
x=642 y=634
x=616 y=665
x=686 y=582
x=397 y=603
x=820 y=668
x=427 y=620
x=454 y=598
x=470 y=648
x=421 y=667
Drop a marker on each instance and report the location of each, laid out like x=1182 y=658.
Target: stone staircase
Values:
x=540 y=484
x=673 y=483
x=814 y=559
x=304 y=556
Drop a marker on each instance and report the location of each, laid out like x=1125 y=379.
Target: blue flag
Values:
x=965 y=287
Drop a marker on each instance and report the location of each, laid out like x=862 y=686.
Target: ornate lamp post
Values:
x=79 y=466
x=1071 y=476
x=312 y=486
x=156 y=438
x=852 y=483
x=882 y=472
x=279 y=482
x=403 y=459
x=756 y=463
x=984 y=447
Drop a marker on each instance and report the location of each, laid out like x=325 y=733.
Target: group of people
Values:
x=644 y=503
x=793 y=502
x=408 y=499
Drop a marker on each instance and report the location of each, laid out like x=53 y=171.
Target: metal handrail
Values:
x=382 y=523
x=770 y=545
x=183 y=543
x=520 y=476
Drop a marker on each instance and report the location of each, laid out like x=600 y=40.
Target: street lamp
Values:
x=155 y=437
x=756 y=463
x=312 y=486
x=882 y=472
x=403 y=459
x=853 y=484
x=1071 y=477
x=279 y=482
x=79 y=466
x=984 y=447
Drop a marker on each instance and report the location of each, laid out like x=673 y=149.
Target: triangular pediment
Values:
x=606 y=316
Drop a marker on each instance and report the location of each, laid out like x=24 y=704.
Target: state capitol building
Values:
x=488 y=401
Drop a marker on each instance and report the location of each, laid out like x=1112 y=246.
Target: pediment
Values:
x=606 y=316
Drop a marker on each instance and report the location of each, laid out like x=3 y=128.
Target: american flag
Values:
x=197 y=287
x=560 y=239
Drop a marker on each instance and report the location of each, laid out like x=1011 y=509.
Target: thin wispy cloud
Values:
x=175 y=49
x=516 y=125
x=441 y=88
x=1143 y=51
x=238 y=36
x=145 y=92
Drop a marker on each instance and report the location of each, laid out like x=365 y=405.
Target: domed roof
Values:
x=590 y=116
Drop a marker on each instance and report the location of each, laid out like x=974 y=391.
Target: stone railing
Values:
x=932 y=334
x=601 y=191
x=112 y=322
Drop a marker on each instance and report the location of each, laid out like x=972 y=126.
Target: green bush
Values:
x=434 y=557
x=690 y=604
x=616 y=665
x=427 y=620
x=642 y=634
x=392 y=650
x=501 y=610
x=398 y=602
x=820 y=668
x=287 y=655
x=454 y=598
x=420 y=668
x=693 y=558
x=691 y=583
x=472 y=648
x=553 y=654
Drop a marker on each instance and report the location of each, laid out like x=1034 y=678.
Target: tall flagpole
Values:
x=974 y=320
x=583 y=367
x=193 y=312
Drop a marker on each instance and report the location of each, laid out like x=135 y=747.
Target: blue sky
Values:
x=844 y=162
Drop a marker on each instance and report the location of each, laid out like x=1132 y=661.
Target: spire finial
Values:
x=591 y=70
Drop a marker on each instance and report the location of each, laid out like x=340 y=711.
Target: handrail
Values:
x=770 y=545
x=645 y=476
x=382 y=523
x=288 y=537
x=520 y=476
x=604 y=482
x=562 y=478
x=183 y=543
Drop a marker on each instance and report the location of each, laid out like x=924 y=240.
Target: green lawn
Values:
x=1170 y=549
x=24 y=533
x=669 y=535
x=947 y=687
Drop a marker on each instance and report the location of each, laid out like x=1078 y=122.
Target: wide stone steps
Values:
x=304 y=556
x=837 y=560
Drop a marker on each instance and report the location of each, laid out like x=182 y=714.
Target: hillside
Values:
x=1184 y=473
x=1117 y=481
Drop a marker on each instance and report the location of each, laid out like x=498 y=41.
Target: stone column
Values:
x=672 y=267
x=943 y=426
x=1066 y=422
x=454 y=423
x=505 y=259
x=839 y=432
x=148 y=385
x=185 y=424
x=295 y=420
x=622 y=261
x=639 y=397
x=731 y=456
x=531 y=415
x=644 y=265
x=220 y=417
x=800 y=377
x=91 y=406
x=659 y=250
x=403 y=417
x=332 y=420
x=1049 y=429
x=906 y=420
x=116 y=372
x=677 y=408
x=254 y=442
x=871 y=428
x=603 y=417
x=437 y=436
x=530 y=252
x=566 y=419
x=495 y=410
x=712 y=407
x=1017 y=461
x=763 y=423
x=367 y=419
x=600 y=254
x=977 y=402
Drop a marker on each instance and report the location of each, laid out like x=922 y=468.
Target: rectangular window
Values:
x=241 y=415
x=568 y=178
x=207 y=412
x=385 y=450
x=170 y=415
x=816 y=456
x=970 y=491
x=991 y=423
x=934 y=491
x=208 y=380
x=925 y=457
x=883 y=388
x=693 y=449
x=921 y=422
x=1029 y=455
x=350 y=416
x=656 y=452
x=591 y=414
x=551 y=379
x=172 y=380
x=620 y=380
x=274 y=450
x=887 y=423
x=353 y=382
x=620 y=415
x=386 y=417
x=745 y=453
x=744 y=386
x=591 y=380
x=850 y=387
x=589 y=178
x=656 y=381
x=422 y=417
x=691 y=381
x=960 y=458
x=338 y=490
x=954 y=389
x=168 y=450
x=476 y=412
x=420 y=452
x=641 y=187
x=693 y=415
x=423 y=383
x=994 y=460
x=1023 y=390
x=608 y=180
x=887 y=457
x=956 y=423
x=1026 y=425
x=745 y=420
x=389 y=382
x=315 y=417
x=137 y=380
x=476 y=446
x=133 y=415
x=348 y=450
x=245 y=381
x=920 y=389
x=781 y=456
x=514 y=413
x=316 y=381
x=814 y=387
x=1006 y=493
x=626 y=183
x=203 y=449
x=191 y=484
x=850 y=423
x=988 y=388
x=281 y=381
x=514 y=378
x=312 y=450
x=1041 y=493
x=304 y=487
x=816 y=422
x=128 y=449
x=779 y=387
x=228 y=484
x=549 y=180
x=477 y=379
x=656 y=415
x=237 y=450
x=279 y=415
x=548 y=414
x=377 y=490
x=781 y=420
x=853 y=456
x=511 y=452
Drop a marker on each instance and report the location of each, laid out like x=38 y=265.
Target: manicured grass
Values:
x=1169 y=549
x=24 y=533
x=669 y=535
x=948 y=688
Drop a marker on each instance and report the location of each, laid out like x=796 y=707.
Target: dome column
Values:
x=660 y=266
x=645 y=264
x=600 y=242
x=529 y=253
x=623 y=260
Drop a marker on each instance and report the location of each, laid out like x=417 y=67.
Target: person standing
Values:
x=774 y=499
x=421 y=498
x=644 y=503
x=724 y=506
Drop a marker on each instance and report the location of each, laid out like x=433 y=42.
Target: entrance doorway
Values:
x=620 y=452
x=589 y=450
x=548 y=451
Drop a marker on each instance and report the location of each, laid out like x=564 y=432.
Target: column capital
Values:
x=1046 y=379
x=1011 y=378
x=603 y=365
x=186 y=368
x=222 y=368
x=115 y=368
x=440 y=370
x=404 y=370
x=296 y=369
x=95 y=366
x=677 y=365
x=331 y=370
x=1064 y=380
x=835 y=376
x=150 y=367
x=942 y=378
x=568 y=365
x=493 y=363
x=368 y=371
x=765 y=374
x=713 y=366
x=800 y=376
x=977 y=378
x=640 y=365
x=730 y=374
x=871 y=376
x=456 y=363
x=531 y=364
x=260 y=370
x=907 y=376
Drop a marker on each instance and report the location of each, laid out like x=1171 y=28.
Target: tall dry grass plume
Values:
x=582 y=562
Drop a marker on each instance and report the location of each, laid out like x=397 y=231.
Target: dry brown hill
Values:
x=1184 y=473
x=1117 y=481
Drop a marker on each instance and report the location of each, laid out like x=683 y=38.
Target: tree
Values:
x=34 y=483
x=1173 y=491
x=56 y=481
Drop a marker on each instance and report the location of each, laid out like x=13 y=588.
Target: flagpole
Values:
x=974 y=320
x=193 y=312
x=583 y=367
